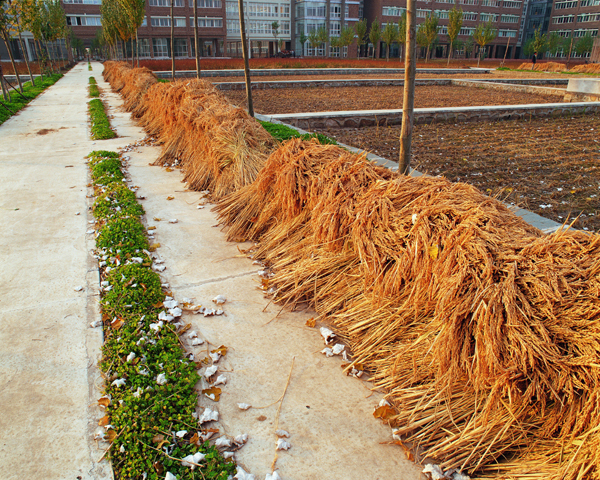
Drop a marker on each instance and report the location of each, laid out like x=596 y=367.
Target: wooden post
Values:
x=505 y=51
x=196 y=43
x=570 y=49
x=409 y=89
x=172 y=42
x=245 y=54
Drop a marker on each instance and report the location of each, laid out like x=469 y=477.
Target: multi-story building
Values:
x=260 y=18
x=505 y=15
x=574 y=19
x=333 y=15
x=537 y=16
x=155 y=33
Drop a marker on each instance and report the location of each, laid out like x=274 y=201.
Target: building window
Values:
x=335 y=29
x=335 y=11
x=466 y=31
x=468 y=2
x=490 y=3
x=208 y=4
x=180 y=47
x=160 y=21
x=422 y=13
x=512 y=4
x=507 y=33
x=315 y=10
x=486 y=17
x=509 y=19
x=144 y=47
x=561 y=5
x=588 y=17
x=392 y=11
x=469 y=16
x=284 y=10
x=164 y=3
x=563 y=19
x=84 y=20
x=588 y=3
x=582 y=32
x=160 y=47
x=85 y=2
x=209 y=22
x=233 y=26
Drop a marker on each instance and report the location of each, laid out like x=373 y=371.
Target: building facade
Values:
x=155 y=32
x=260 y=17
x=574 y=19
x=505 y=15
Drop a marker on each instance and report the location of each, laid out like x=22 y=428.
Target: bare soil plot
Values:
x=295 y=100
x=548 y=166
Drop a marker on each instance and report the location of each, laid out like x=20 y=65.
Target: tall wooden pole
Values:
x=172 y=42
x=409 y=89
x=196 y=42
x=245 y=53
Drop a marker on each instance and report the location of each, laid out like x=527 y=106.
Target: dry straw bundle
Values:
x=544 y=67
x=590 y=68
x=484 y=332
x=219 y=146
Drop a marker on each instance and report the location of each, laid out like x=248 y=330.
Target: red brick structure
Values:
x=574 y=18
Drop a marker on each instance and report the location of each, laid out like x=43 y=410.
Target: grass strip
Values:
x=30 y=91
x=100 y=125
x=149 y=395
x=94 y=91
x=283 y=132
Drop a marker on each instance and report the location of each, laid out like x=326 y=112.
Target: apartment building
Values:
x=333 y=15
x=154 y=35
x=574 y=19
x=506 y=16
x=259 y=19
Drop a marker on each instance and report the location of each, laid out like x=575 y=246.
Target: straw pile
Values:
x=590 y=68
x=544 y=67
x=484 y=332
x=219 y=146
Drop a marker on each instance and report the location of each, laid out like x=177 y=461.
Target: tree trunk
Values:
x=387 y=53
x=172 y=41
x=409 y=89
x=570 y=49
x=132 y=54
x=449 y=53
x=478 y=57
x=36 y=44
x=245 y=54
x=196 y=42
x=137 y=48
x=12 y=58
x=427 y=55
x=5 y=92
x=24 y=50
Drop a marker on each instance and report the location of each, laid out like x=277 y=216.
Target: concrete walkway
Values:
x=48 y=353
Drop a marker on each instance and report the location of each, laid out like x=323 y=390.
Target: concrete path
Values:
x=48 y=353
x=329 y=416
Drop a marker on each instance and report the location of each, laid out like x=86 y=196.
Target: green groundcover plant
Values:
x=149 y=397
x=100 y=125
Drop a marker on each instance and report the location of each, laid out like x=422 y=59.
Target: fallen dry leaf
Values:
x=214 y=393
x=311 y=322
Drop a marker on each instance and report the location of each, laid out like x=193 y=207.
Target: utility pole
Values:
x=245 y=53
x=172 y=42
x=409 y=89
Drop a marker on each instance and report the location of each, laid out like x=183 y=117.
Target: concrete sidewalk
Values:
x=48 y=353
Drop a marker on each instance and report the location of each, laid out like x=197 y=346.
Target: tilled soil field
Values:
x=296 y=100
x=548 y=166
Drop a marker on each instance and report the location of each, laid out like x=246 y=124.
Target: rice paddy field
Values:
x=296 y=100
x=548 y=166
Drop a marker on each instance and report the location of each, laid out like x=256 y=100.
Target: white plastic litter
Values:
x=327 y=334
x=221 y=380
x=223 y=442
x=170 y=476
x=244 y=406
x=131 y=356
x=197 y=341
x=282 y=433
x=173 y=220
x=241 y=439
x=242 y=474
x=283 y=445
x=435 y=471
x=210 y=371
x=181 y=433
x=161 y=379
x=273 y=476
x=78 y=288
x=208 y=416
x=119 y=382
x=219 y=299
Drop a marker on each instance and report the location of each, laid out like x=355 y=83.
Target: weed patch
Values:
x=100 y=125
x=283 y=132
